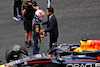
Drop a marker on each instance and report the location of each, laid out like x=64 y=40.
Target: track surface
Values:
x=76 y=18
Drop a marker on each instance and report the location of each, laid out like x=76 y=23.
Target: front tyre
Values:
x=15 y=52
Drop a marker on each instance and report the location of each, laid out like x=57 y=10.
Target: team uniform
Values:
x=36 y=36
x=36 y=30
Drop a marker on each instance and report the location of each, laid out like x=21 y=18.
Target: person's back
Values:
x=27 y=17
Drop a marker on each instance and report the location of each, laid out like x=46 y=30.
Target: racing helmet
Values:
x=39 y=14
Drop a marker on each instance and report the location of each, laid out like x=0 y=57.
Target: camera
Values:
x=27 y=5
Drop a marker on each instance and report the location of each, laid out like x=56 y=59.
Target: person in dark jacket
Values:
x=52 y=27
x=29 y=12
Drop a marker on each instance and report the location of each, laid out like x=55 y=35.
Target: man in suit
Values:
x=52 y=26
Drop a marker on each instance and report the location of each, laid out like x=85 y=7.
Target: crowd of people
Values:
x=32 y=17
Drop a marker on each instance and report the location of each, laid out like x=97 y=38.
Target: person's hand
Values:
x=41 y=31
x=30 y=3
x=43 y=35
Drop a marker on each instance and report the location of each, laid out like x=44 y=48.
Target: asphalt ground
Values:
x=76 y=18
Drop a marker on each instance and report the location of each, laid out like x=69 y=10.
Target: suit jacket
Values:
x=52 y=26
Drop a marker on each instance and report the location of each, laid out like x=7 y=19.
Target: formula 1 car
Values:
x=84 y=54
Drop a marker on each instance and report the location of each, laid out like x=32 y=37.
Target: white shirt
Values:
x=50 y=16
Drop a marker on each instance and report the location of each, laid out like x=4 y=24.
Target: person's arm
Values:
x=36 y=8
x=48 y=29
x=24 y=12
x=51 y=27
x=43 y=23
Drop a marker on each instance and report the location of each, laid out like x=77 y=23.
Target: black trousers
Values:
x=53 y=40
x=17 y=4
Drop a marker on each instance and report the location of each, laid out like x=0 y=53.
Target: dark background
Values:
x=76 y=18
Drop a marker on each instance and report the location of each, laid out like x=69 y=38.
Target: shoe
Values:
x=30 y=43
x=26 y=44
x=20 y=15
x=16 y=18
